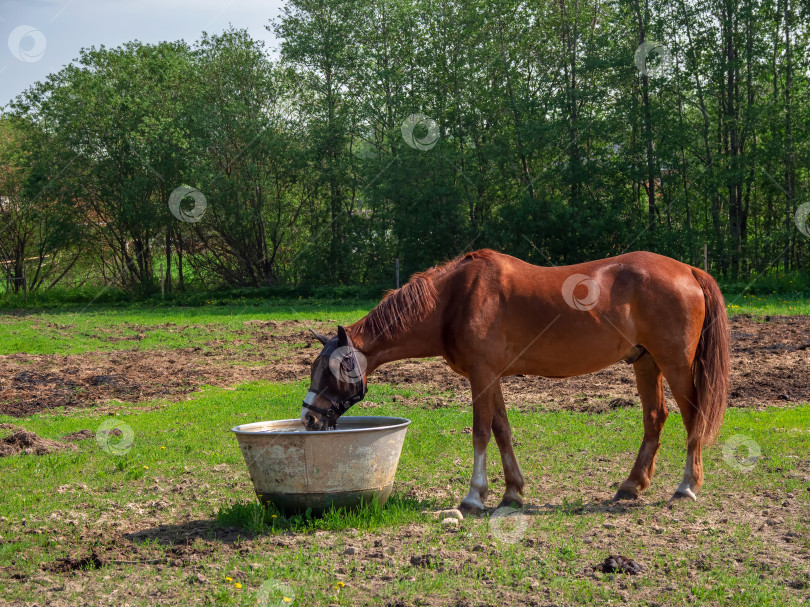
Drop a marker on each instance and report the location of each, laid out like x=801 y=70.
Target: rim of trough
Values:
x=375 y=423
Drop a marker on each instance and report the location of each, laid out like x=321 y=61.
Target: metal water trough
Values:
x=295 y=469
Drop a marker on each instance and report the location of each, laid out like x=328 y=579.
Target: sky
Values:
x=39 y=37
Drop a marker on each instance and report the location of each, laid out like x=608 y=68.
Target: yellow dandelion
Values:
x=228 y=579
x=340 y=585
x=146 y=467
x=237 y=585
x=286 y=599
x=274 y=516
x=163 y=448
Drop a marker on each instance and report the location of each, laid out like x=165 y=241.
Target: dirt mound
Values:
x=80 y=435
x=22 y=441
x=617 y=563
x=67 y=564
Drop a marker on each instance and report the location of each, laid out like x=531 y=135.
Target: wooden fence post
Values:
x=706 y=257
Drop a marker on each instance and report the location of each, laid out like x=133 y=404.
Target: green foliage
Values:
x=533 y=132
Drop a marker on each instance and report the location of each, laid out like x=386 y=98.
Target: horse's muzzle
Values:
x=311 y=421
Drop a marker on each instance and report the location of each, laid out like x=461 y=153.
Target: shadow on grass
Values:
x=249 y=520
x=579 y=507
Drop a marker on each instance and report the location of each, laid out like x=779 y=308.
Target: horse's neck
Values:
x=420 y=341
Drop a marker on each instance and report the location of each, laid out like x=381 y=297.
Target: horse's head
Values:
x=338 y=380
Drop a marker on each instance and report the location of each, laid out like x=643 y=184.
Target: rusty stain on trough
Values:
x=296 y=469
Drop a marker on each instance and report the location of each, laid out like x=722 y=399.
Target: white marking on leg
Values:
x=478 y=482
x=686 y=484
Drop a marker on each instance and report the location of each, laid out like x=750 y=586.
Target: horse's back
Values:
x=567 y=320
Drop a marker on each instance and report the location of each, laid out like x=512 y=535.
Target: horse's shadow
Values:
x=579 y=508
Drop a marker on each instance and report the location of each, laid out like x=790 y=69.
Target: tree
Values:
x=39 y=236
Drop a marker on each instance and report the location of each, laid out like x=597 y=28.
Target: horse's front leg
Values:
x=489 y=413
x=482 y=429
x=511 y=469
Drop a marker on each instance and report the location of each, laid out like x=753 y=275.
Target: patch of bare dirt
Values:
x=63 y=565
x=22 y=441
x=769 y=363
x=83 y=435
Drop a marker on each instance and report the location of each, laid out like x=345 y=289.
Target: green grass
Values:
x=767 y=304
x=185 y=458
x=253 y=516
x=107 y=328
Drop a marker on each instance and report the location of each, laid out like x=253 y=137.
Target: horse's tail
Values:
x=710 y=369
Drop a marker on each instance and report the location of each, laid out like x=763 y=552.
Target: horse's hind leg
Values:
x=651 y=390
x=683 y=390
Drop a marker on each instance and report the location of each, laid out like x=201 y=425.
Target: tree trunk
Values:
x=733 y=180
x=652 y=211
x=789 y=153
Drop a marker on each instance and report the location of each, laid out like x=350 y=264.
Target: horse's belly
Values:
x=569 y=356
x=555 y=369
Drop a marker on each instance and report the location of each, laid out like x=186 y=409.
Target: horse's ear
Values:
x=320 y=337
x=343 y=338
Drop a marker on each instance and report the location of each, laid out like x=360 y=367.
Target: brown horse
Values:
x=490 y=315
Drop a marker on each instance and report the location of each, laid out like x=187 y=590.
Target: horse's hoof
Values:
x=510 y=503
x=682 y=495
x=470 y=509
x=624 y=494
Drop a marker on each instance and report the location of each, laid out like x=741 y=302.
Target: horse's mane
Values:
x=401 y=308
